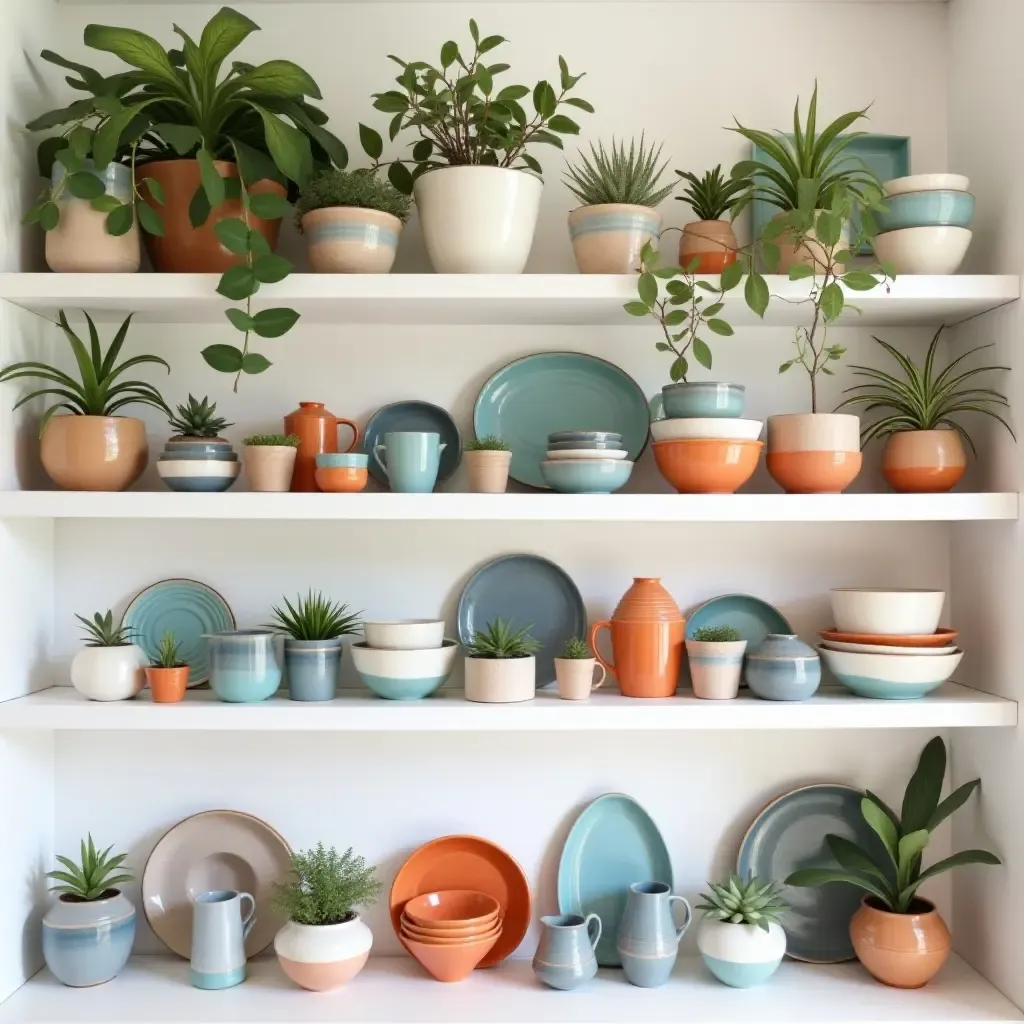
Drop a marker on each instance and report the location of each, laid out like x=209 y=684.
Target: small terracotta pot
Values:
x=351 y=240
x=607 y=237
x=184 y=249
x=902 y=950
x=269 y=467
x=488 y=471
x=575 y=677
x=814 y=453
x=167 y=685
x=811 y=253
x=712 y=242
x=94 y=453
x=923 y=461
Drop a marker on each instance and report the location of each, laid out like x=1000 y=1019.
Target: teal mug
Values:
x=412 y=460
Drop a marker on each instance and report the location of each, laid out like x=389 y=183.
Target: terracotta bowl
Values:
x=464 y=940
x=469 y=933
x=341 y=479
x=450 y=963
x=707 y=465
x=451 y=908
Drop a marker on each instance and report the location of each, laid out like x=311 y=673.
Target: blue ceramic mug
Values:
x=413 y=459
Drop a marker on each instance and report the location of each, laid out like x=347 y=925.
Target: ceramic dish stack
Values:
x=888 y=644
x=198 y=464
x=586 y=462
x=404 y=659
x=925 y=226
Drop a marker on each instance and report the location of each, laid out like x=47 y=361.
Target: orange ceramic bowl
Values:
x=445 y=939
x=451 y=908
x=450 y=963
x=340 y=479
x=707 y=465
x=814 y=472
x=462 y=932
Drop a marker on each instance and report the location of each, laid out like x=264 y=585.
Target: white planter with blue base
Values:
x=741 y=955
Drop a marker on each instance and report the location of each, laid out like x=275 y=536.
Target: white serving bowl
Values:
x=678 y=429
x=404 y=634
x=933 y=250
x=836 y=645
x=886 y=611
x=404 y=675
x=889 y=677
x=926 y=183
x=587 y=453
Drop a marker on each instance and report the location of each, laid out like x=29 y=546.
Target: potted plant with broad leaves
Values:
x=89 y=931
x=710 y=239
x=487 y=459
x=110 y=666
x=921 y=426
x=716 y=662
x=270 y=460
x=196 y=457
x=167 y=674
x=618 y=193
x=500 y=664
x=574 y=670
x=325 y=943
x=477 y=186
x=740 y=939
x=897 y=934
x=313 y=627
x=93 y=448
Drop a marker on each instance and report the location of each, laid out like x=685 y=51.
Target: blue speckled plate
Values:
x=612 y=844
x=752 y=617
x=789 y=834
x=414 y=415
x=526 y=401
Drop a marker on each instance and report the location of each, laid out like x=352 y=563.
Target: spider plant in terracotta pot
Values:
x=487 y=459
x=167 y=675
x=921 y=429
x=710 y=239
x=500 y=664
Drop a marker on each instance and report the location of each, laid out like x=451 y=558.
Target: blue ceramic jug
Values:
x=218 y=938
x=565 y=954
x=648 y=939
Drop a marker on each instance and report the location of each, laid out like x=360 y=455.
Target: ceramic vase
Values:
x=317 y=430
x=648 y=940
x=488 y=471
x=312 y=667
x=574 y=677
x=269 y=467
x=923 y=461
x=902 y=950
x=323 y=957
x=810 y=253
x=501 y=680
x=647 y=630
x=167 y=685
x=244 y=665
x=351 y=240
x=109 y=673
x=814 y=453
x=94 y=453
x=86 y=943
x=712 y=242
x=782 y=667
x=607 y=237
x=565 y=956
x=741 y=955
x=716 y=668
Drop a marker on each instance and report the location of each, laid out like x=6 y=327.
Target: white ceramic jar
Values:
x=323 y=957
x=740 y=955
x=501 y=680
x=109 y=673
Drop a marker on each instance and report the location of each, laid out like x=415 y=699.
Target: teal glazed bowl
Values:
x=568 y=436
x=703 y=398
x=245 y=665
x=572 y=446
x=342 y=460
x=926 y=210
x=586 y=476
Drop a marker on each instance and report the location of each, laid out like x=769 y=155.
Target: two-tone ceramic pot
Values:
x=716 y=668
x=323 y=957
x=923 y=461
x=198 y=464
x=87 y=942
x=782 y=667
x=741 y=955
x=244 y=665
x=607 y=237
x=814 y=453
x=312 y=667
x=351 y=240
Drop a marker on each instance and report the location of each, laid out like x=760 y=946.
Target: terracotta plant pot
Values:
x=94 y=453
x=184 y=249
x=351 y=240
x=607 y=238
x=269 y=467
x=810 y=254
x=713 y=242
x=814 y=453
x=488 y=471
x=707 y=465
x=167 y=685
x=902 y=950
x=923 y=461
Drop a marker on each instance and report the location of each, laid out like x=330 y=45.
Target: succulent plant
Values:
x=315 y=617
x=713 y=196
x=717 y=634
x=360 y=188
x=278 y=440
x=197 y=419
x=576 y=649
x=102 y=632
x=93 y=877
x=326 y=886
x=167 y=652
x=490 y=443
x=744 y=902
x=501 y=640
x=617 y=177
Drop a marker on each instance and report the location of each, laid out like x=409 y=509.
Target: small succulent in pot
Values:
x=488 y=460
x=271 y=441
x=197 y=421
x=270 y=461
x=500 y=639
x=708 y=244
x=716 y=661
x=574 y=670
x=500 y=664
x=167 y=674
x=197 y=458
x=576 y=648
x=110 y=666
x=717 y=634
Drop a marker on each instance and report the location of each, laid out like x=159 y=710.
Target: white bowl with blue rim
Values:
x=404 y=675
x=890 y=676
x=198 y=474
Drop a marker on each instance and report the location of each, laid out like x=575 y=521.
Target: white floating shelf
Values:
x=588 y=299
x=535 y=507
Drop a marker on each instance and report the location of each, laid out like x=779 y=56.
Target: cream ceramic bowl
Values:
x=935 y=652
x=890 y=677
x=404 y=675
x=702 y=428
x=926 y=183
x=885 y=612
x=587 y=453
x=932 y=250
x=404 y=634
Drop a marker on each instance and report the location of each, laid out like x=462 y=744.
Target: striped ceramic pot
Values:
x=814 y=453
x=323 y=957
x=86 y=943
x=923 y=461
x=711 y=242
x=607 y=238
x=741 y=955
x=716 y=667
x=351 y=240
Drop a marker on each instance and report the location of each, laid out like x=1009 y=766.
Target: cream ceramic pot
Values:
x=575 y=677
x=488 y=471
x=887 y=612
x=109 y=673
x=323 y=957
x=351 y=240
x=501 y=680
x=607 y=237
x=269 y=467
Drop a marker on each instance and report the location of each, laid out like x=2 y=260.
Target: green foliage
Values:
x=717 y=634
x=98 y=393
x=712 y=197
x=315 y=617
x=326 y=887
x=744 y=902
x=925 y=398
x=101 y=631
x=576 y=649
x=360 y=188
x=197 y=419
x=276 y=440
x=93 y=876
x=167 y=652
x=501 y=640
x=615 y=176
x=894 y=879
x=490 y=443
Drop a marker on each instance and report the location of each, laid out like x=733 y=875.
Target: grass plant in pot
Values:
x=270 y=460
x=921 y=426
x=716 y=662
x=167 y=674
x=500 y=664
x=487 y=459
x=618 y=193
x=477 y=186
x=897 y=934
x=110 y=666
x=710 y=239
x=196 y=457
x=574 y=670
x=325 y=943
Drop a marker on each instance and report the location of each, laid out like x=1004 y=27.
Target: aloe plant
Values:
x=615 y=176
x=198 y=419
x=168 y=652
x=100 y=631
x=712 y=197
x=93 y=877
x=500 y=639
x=315 y=617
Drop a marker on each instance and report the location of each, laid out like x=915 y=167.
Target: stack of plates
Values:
x=586 y=462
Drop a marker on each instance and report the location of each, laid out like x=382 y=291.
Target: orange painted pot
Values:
x=341 y=479
x=707 y=466
x=167 y=685
x=712 y=242
x=814 y=453
x=902 y=950
x=94 y=453
x=317 y=430
x=647 y=631
x=923 y=461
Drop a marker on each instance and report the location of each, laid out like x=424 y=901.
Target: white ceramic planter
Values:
x=478 y=220
x=269 y=467
x=716 y=668
x=814 y=453
x=323 y=957
x=740 y=955
x=351 y=240
x=575 y=677
x=501 y=680
x=109 y=673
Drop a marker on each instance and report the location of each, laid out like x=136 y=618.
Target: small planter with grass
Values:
x=716 y=662
x=325 y=943
x=500 y=664
x=168 y=674
x=196 y=457
x=574 y=671
x=110 y=666
x=709 y=243
x=270 y=461
x=488 y=460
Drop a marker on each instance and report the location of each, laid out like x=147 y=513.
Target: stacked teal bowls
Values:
x=586 y=462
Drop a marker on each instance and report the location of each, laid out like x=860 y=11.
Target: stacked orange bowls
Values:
x=451 y=931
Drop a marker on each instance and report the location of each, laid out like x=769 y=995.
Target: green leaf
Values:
x=911 y=846
x=731 y=276
x=268 y=205
x=647 y=288
x=575 y=101
x=756 y=294
x=183 y=138
x=514 y=92
x=401 y=178
x=105 y=203
x=851 y=857
x=701 y=352
x=84 y=185
x=770 y=256
x=278 y=78
x=449 y=53
x=288 y=146
x=233 y=234
x=952 y=803
x=372 y=143
x=859 y=280
x=799 y=271
x=490 y=42
x=391 y=102
x=564 y=125
x=829 y=229
x=255 y=363
x=271 y=269
x=134 y=48
x=272 y=323
x=882 y=825
x=786 y=365
x=957 y=860
x=150 y=220
x=676 y=318
x=223 y=34
x=422 y=150
x=924 y=789
x=237 y=283
x=120 y=221
x=679 y=369
x=213 y=183
x=720 y=327
x=636 y=308
x=156 y=190
x=545 y=102
x=225 y=358
x=199 y=208
x=823 y=876
x=49 y=216
x=484 y=80
x=239 y=319
x=832 y=301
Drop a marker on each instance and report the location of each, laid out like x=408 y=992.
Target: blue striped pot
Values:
x=312 y=667
x=783 y=667
x=607 y=238
x=351 y=240
x=87 y=943
x=741 y=955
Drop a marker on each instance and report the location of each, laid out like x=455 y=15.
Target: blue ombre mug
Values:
x=410 y=460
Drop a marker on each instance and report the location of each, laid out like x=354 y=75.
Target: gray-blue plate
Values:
x=789 y=834
x=584 y=435
x=414 y=415
x=528 y=591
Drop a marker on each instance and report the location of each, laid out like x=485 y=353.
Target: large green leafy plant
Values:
x=326 y=887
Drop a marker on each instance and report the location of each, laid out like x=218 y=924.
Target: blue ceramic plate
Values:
x=789 y=834
x=188 y=609
x=411 y=416
x=754 y=618
x=539 y=395
x=529 y=591
x=611 y=845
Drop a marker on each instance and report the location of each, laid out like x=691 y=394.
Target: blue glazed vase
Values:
x=565 y=954
x=87 y=943
x=244 y=665
x=783 y=667
x=312 y=667
x=648 y=940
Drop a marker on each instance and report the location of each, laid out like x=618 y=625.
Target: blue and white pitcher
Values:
x=648 y=940
x=219 y=932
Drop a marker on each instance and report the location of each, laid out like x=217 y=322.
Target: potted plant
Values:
x=716 y=662
x=325 y=942
x=196 y=457
x=710 y=240
x=93 y=448
x=89 y=931
x=897 y=934
x=167 y=674
x=922 y=431
x=488 y=460
x=110 y=666
x=313 y=628
x=500 y=664
x=574 y=670
x=618 y=193
x=270 y=460
x=477 y=187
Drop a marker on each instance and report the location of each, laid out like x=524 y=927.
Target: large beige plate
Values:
x=213 y=850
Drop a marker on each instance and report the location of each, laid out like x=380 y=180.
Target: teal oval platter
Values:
x=753 y=618
x=549 y=392
x=790 y=834
x=611 y=845
x=188 y=609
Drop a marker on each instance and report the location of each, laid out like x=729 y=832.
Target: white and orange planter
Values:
x=814 y=453
x=324 y=957
x=923 y=461
x=607 y=237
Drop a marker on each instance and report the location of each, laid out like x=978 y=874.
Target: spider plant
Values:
x=315 y=617
x=615 y=176
x=712 y=197
x=925 y=399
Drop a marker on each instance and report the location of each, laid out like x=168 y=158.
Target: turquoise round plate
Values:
x=789 y=834
x=611 y=845
x=413 y=415
x=752 y=617
x=188 y=609
x=542 y=394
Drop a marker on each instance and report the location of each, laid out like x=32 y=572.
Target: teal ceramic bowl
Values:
x=702 y=399
x=342 y=460
x=586 y=476
x=404 y=675
x=926 y=210
x=574 y=446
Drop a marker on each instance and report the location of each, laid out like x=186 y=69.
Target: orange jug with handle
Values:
x=647 y=631
x=317 y=430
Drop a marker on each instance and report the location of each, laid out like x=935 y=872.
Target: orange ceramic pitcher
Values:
x=317 y=430
x=647 y=640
